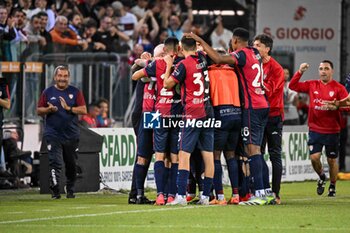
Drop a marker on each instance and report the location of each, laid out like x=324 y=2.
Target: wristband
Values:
x=70 y=109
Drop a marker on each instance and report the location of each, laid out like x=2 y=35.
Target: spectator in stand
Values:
x=109 y=11
x=7 y=34
x=303 y=108
x=60 y=7
x=143 y=35
x=36 y=41
x=19 y=44
x=175 y=29
x=5 y=103
x=75 y=24
x=18 y=162
x=89 y=120
x=161 y=11
x=20 y=21
x=162 y=35
x=88 y=9
x=43 y=22
x=41 y=5
x=25 y=5
x=9 y=5
x=127 y=21
x=102 y=119
x=220 y=35
x=175 y=8
x=89 y=32
x=291 y=99
x=110 y=36
x=139 y=10
x=204 y=31
x=65 y=7
x=65 y=39
x=155 y=8
x=136 y=53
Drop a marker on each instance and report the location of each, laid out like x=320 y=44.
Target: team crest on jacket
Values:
x=331 y=93
x=70 y=96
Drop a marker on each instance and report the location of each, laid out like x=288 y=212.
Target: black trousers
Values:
x=273 y=137
x=59 y=153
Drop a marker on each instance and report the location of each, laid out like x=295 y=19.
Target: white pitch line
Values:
x=196 y=226
x=137 y=211
x=319 y=198
x=99 y=214
x=80 y=208
x=44 y=210
x=110 y=205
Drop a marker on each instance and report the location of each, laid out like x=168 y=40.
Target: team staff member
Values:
x=60 y=106
x=273 y=85
x=5 y=103
x=324 y=122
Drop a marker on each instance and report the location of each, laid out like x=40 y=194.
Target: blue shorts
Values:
x=253 y=125
x=226 y=137
x=329 y=141
x=191 y=137
x=166 y=139
x=144 y=141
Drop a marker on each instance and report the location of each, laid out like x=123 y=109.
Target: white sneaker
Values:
x=203 y=201
x=179 y=200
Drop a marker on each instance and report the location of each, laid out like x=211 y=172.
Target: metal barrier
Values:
x=98 y=75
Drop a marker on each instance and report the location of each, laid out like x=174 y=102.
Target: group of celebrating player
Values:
x=213 y=102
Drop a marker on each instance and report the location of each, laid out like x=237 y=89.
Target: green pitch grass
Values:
x=302 y=210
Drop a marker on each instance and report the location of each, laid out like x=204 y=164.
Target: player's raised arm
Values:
x=215 y=56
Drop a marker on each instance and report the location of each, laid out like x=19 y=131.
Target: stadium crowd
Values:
x=41 y=27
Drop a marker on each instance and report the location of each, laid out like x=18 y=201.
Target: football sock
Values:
x=159 y=176
x=207 y=183
x=173 y=177
x=265 y=173
x=141 y=173
x=218 y=177
x=166 y=180
x=182 y=177
x=232 y=166
x=255 y=164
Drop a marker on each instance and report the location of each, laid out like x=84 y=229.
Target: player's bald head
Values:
x=159 y=51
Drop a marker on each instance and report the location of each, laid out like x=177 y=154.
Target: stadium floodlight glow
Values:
x=227 y=12
x=240 y=12
x=217 y=12
x=203 y=12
